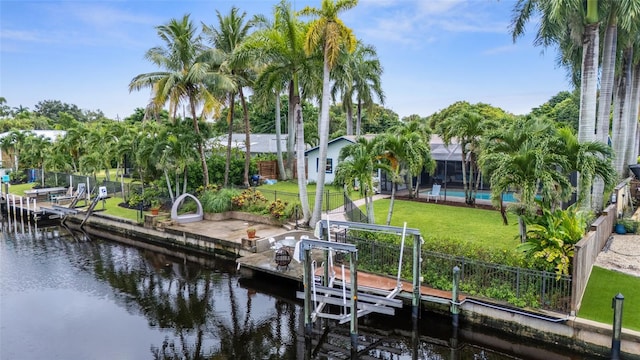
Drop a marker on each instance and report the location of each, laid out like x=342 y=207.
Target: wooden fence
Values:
x=587 y=249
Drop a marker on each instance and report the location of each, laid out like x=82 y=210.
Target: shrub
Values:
x=250 y=200
x=217 y=201
x=551 y=238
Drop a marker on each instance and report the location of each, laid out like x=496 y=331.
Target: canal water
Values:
x=69 y=296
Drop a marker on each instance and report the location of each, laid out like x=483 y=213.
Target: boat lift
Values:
x=360 y=303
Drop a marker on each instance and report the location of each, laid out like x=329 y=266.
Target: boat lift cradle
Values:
x=360 y=303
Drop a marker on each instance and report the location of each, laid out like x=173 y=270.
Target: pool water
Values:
x=480 y=195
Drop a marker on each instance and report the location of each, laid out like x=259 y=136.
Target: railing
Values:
x=114 y=188
x=518 y=286
x=353 y=212
x=332 y=201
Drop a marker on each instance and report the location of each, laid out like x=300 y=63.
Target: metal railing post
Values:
x=616 y=305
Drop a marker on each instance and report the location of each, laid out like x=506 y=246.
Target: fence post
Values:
x=455 y=308
x=417 y=277
x=616 y=305
x=326 y=203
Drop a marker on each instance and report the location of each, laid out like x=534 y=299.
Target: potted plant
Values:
x=251 y=232
x=155 y=207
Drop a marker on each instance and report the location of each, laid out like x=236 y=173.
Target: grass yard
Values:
x=483 y=227
x=288 y=191
x=602 y=287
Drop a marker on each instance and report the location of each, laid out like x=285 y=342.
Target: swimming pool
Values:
x=480 y=195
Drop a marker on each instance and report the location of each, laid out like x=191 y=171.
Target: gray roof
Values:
x=259 y=143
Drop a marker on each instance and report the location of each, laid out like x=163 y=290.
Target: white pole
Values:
x=344 y=291
x=404 y=232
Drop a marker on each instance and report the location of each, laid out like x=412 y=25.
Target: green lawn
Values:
x=602 y=287
x=288 y=191
x=483 y=227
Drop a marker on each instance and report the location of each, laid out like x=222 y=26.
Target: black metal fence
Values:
x=114 y=188
x=332 y=201
x=352 y=212
x=517 y=286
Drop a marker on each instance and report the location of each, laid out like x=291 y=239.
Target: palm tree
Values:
x=467 y=127
x=273 y=47
x=227 y=39
x=569 y=23
x=519 y=157
x=401 y=151
x=330 y=34
x=14 y=141
x=358 y=74
x=592 y=159
x=358 y=162
x=421 y=128
x=280 y=45
x=187 y=71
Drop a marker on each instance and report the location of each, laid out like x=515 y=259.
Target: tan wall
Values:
x=587 y=249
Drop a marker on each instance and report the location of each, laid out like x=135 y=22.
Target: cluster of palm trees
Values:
x=403 y=152
x=87 y=148
x=204 y=71
x=576 y=30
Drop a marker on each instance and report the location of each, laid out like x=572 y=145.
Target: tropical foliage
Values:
x=551 y=238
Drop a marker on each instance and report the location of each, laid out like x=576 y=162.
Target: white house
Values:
x=448 y=159
x=333 y=153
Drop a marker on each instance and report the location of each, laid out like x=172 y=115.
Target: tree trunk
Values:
x=203 y=158
x=323 y=128
x=503 y=212
x=522 y=227
x=371 y=219
x=588 y=93
x=349 y=120
x=166 y=178
x=291 y=128
x=393 y=198
x=359 y=119
x=281 y=172
x=227 y=164
x=604 y=102
x=302 y=178
x=247 y=139
x=621 y=112
x=633 y=137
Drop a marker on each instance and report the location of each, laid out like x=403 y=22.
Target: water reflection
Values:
x=69 y=296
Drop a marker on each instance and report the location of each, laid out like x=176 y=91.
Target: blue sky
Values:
x=434 y=52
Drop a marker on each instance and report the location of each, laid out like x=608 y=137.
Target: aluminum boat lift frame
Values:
x=330 y=295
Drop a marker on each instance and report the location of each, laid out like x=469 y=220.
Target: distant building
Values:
x=259 y=143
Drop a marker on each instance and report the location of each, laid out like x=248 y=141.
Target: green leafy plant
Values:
x=551 y=238
x=250 y=200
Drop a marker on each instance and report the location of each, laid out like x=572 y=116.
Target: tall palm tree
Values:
x=280 y=44
x=231 y=31
x=358 y=74
x=330 y=34
x=569 y=23
x=186 y=72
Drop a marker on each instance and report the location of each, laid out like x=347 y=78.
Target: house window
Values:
x=328 y=168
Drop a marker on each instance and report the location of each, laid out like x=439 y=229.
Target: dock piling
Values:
x=455 y=307
x=616 y=305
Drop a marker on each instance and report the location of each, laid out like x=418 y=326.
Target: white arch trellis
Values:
x=186 y=218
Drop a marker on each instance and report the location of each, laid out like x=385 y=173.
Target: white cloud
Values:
x=500 y=49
